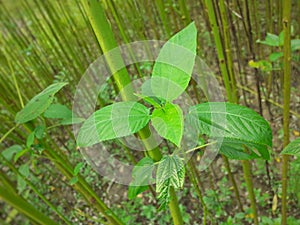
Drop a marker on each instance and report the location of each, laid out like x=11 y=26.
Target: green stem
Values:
x=195 y=181
x=297 y=115
x=233 y=182
x=107 y=42
x=226 y=79
x=280 y=12
x=9 y=195
x=248 y=179
x=82 y=187
x=121 y=26
x=64 y=166
x=7 y=133
x=185 y=12
x=13 y=75
x=149 y=142
x=219 y=46
x=227 y=45
x=286 y=22
x=31 y=185
x=174 y=209
x=236 y=40
x=194 y=176
x=201 y=146
x=162 y=13
x=253 y=50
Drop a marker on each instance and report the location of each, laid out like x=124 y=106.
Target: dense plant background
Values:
x=42 y=173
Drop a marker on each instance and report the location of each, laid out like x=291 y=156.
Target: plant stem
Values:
x=253 y=49
x=32 y=186
x=107 y=42
x=227 y=45
x=248 y=179
x=236 y=40
x=174 y=209
x=231 y=91
x=163 y=17
x=82 y=187
x=246 y=163
x=194 y=176
x=184 y=10
x=195 y=181
x=286 y=23
x=13 y=74
x=280 y=12
x=9 y=195
x=64 y=166
x=199 y=147
x=7 y=133
x=297 y=115
x=233 y=182
x=219 y=46
x=121 y=27
x=226 y=79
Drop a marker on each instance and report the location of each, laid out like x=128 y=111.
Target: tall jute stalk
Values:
x=10 y=195
x=61 y=162
x=193 y=173
x=226 y=79
x=66 y=168
x=286 y=23
x=163 y=16
x=33 y=188
x=234 y=98
x=121 y=77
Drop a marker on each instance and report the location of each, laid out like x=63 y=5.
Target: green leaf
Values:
x=78 y=168
x=38 y=104
x=58 y=111
x=30 y=139
x=235 y=149
x=113 y=121
x=21 y=184
x=281 y=38
x=292 y=148
x=234 y=152
x=73 y=180
x=170 y=173
x=20 y=154
x=70 y=121
x=275 y=56
x=39 y=131
x=271 y=40
x=24 y=170
x=174 y=65
x=168 y=122
x=236 y=123
x=9 y=152
x=151 y=100
x=142 y=176
x=295 y=44
x=263 y=65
